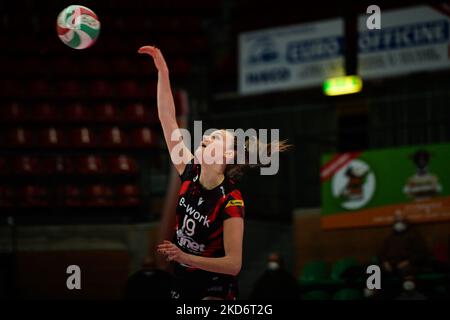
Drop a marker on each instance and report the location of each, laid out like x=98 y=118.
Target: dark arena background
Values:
x=363 y=197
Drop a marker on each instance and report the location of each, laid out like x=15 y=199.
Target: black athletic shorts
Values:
x=198 y=284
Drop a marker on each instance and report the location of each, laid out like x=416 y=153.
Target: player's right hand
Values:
x=158 y=58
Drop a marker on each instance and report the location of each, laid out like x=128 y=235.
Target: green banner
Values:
x=378 y=183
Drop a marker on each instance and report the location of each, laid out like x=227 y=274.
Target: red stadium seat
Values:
x=106 y=112
x=113 y=137
x=181 y=101
x=70 y=89
x=130 y=89
x=26 y=165
x=45 y=112
x=99 y=195
x=144 y=137
x=39 y=89
x=100 y=89
x=51 y=137
x=90 y=165
x=82 y=137
x=95 y=67
x=72 y=196
x=13 y=112
x=128 y=195
x=153 y=116
x=138 y=113
x=77 y=113
x=145 y=69
x=57 y=165
x=33 y=196
x=19 y=137
x=149 y=90
x=125 y=67
x=122 y=164
x=7 y=196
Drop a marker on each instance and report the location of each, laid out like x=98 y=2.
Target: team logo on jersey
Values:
x=196 y=215
x=189 y=243
x=200 y=201
x=235 y=203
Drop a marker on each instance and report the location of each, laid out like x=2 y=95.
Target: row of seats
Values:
x=69 y=100
x=345 y=279
x=70 y=195
x=84 y=137
x=135 y=22
x=135 y=113
x=92 y=67
x=39 y=88
x=112 y=44
x=50 y=165
x=319 y=279
x=319 y=272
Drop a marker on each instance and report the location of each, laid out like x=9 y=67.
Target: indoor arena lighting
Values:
x=342 y=85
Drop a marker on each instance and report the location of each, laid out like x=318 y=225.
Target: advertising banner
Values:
x=368 y=188
x=290 y=57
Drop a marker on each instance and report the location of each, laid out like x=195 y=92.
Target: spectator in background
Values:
x=404 y=253
x=410 y=292
x=148 y=283
x=276 y=283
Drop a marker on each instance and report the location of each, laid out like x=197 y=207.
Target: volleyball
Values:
x=78 y=27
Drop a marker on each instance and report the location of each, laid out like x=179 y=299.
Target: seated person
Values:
x=404 y=252
x=276 y=283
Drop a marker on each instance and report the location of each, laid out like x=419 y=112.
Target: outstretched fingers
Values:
x=151 y=50
x=157 y=56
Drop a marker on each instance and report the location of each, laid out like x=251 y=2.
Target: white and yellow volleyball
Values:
x=78 y=27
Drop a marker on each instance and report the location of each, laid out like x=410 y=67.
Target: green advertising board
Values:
x=370 y=187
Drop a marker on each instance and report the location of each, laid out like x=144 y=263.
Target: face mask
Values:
x=368 y=293
x=409 y=285
x=399 y=226
x=272 y=265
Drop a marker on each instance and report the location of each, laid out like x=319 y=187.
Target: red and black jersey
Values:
x=200 y=214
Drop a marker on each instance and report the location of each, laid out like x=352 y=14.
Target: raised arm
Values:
x=179 y=153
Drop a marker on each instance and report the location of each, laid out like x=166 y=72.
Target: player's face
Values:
x=216 y=148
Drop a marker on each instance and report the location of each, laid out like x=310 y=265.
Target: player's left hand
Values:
x=172 y=252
